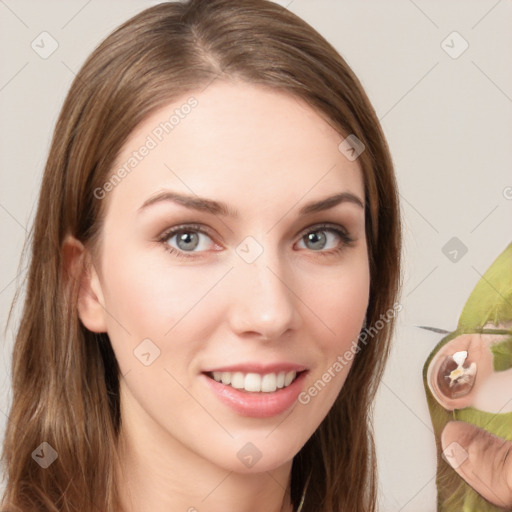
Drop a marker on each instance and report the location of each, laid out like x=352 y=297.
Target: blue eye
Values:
x=319 y=242
x=187 y=239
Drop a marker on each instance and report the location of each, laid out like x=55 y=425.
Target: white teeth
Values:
x=269 y=383
x=237 y=380
x=254 y=382
x=289 y=378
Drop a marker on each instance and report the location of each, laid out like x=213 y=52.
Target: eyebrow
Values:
x=219 y=208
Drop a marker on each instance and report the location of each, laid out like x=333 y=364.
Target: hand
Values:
x=484 y=462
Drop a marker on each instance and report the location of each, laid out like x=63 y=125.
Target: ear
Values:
x=458 y=370
x=78 y=266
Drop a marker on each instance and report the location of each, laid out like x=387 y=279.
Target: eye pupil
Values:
x=187 y=237
x=317 y=240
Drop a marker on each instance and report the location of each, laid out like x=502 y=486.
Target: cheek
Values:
x=339 y=302
x=145 y=298
x=341 y=305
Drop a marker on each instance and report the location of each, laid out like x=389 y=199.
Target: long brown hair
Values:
x=65 y=379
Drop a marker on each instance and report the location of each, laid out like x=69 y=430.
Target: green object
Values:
x=502 y=355
x=488 y=310
x=491 y=299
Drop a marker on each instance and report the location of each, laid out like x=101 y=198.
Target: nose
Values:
x=264 y=299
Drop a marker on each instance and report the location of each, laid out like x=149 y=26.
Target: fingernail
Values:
x=456 y=376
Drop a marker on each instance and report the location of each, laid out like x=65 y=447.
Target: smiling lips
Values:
x=260 y=391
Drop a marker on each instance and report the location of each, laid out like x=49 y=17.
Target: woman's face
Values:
x=260 y=288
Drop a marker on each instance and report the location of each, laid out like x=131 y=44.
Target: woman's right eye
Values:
x=187 y=240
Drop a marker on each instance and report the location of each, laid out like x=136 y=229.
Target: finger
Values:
x=483 y=460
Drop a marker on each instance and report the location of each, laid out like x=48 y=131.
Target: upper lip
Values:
x=260 y=368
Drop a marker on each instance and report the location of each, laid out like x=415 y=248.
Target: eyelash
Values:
x=346 y=239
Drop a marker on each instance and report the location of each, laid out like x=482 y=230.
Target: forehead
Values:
x=236 y=140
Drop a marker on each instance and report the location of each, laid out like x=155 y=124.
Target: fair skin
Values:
x=487 y=466
x=266 y=155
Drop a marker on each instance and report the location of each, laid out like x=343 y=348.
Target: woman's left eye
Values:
x=319 y=243
x=321 y=239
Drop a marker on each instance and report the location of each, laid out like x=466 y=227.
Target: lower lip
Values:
x=257 y=405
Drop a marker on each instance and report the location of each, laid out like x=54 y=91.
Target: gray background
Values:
x=449 y=125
